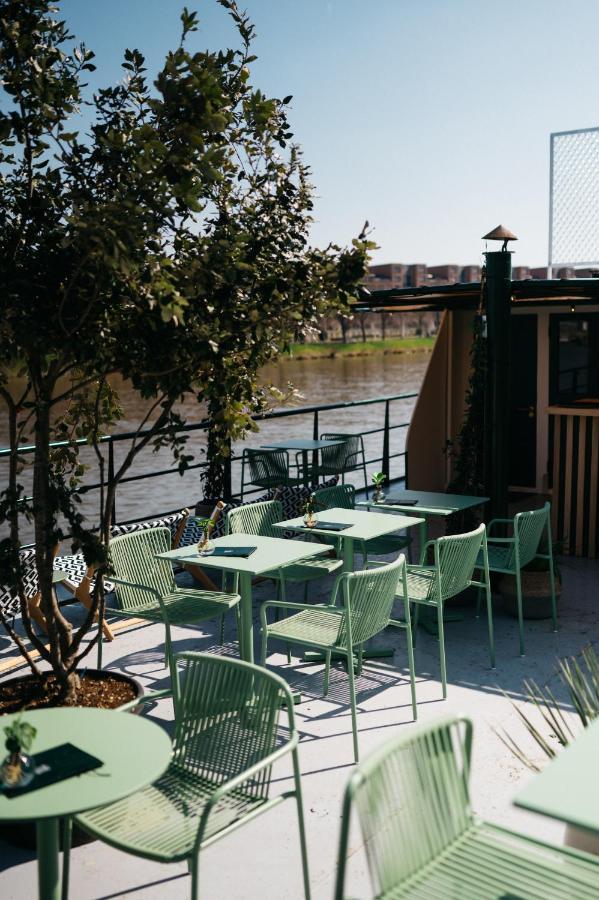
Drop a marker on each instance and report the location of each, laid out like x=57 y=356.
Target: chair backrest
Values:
x=256 y=518
x=528 y=531
x=346 y=456
x=342 y=496
x=457 y=555
x=227 y=718
x=371 y=593
x=133 y=558
x=412 y=801
x=268 y=467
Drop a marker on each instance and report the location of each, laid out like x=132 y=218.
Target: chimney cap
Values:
x=501 y=233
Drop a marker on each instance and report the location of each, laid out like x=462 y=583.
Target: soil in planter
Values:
x=106 y=692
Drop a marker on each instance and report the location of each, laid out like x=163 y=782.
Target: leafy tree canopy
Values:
x=166 y=242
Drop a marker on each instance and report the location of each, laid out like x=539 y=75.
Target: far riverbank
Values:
x=332 y=350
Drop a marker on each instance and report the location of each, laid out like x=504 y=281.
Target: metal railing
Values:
x=384 y=459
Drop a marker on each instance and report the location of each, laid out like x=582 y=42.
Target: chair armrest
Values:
x=499 y=522
x=138 y=587
x=147 y=698
x=285 y=604
x=496 y=540
x=424 y=551
x=239 y=780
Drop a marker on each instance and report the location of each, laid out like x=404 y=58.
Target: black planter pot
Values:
x=23 y=834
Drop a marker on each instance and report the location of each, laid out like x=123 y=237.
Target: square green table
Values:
x=568 y=788
x=134 y=753
x=427 y=504
x=363 y=527
x=271 y=553
x=305 y=446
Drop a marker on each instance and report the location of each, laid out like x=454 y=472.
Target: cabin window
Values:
x=574 y=359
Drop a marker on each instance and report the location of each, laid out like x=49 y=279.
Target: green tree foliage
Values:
x=167 y=243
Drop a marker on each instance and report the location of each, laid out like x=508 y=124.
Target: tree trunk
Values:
x=363 y=326
x=59 y=629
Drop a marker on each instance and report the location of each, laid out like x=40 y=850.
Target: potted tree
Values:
x=135 y=249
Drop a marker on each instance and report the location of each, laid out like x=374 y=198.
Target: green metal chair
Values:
x=368 y=598
x=343 y=496
x=260 y=518
x=455 y=558
x=423 y=841
x=268 y=469
x=226 y=741
x=509 y=555
x=342 y=458
x=146 y=588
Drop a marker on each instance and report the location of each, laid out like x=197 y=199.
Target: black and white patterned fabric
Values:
x=74 y=564
x=76 y=567
x=292 y=499
x=9 y=600
x=173 y=522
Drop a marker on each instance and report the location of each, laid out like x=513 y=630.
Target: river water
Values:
x=320 y=381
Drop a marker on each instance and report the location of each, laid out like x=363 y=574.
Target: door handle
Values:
x=531 y=410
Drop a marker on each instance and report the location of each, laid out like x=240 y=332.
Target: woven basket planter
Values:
x=536 y=594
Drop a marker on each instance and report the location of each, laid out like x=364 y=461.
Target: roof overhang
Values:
x=532 y=292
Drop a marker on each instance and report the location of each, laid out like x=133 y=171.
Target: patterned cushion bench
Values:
x=80 y=580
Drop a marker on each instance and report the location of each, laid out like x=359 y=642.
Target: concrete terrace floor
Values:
x=261 y=860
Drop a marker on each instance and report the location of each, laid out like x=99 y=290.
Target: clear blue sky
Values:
x=429 y=118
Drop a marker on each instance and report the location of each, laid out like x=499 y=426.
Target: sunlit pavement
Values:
x=261 y=860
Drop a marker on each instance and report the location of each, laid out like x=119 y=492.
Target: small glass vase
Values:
x=205 y=545
x=17 y=770
x=309 y=520
x=378 y=495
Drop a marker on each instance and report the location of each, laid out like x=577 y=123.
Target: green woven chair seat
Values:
x=183 y=607
x=306 y=570
x=422 y=585
x=487 y=863
x=313 y=626
x=498 y=557
x=161 y=821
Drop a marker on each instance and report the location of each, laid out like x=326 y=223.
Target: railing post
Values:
x=227 y=483
x=111 y=478
x=385 y=463
x=315 y=452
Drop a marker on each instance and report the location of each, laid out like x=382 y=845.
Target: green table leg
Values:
x=348 y=554
x=246 y=639
x=47 y=859
x=423 y=534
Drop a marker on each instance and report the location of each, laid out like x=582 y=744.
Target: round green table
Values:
x=134 y=752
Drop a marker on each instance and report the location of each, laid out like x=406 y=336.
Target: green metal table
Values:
x=306 y=446
x=270 y=553
x=363 y=527
x=567 y=788
x=427 y=504
x=134 y=752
